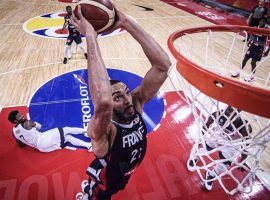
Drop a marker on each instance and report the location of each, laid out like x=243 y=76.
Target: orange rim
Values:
x=232 y=92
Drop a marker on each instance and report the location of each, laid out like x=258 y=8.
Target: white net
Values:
x=229 y=143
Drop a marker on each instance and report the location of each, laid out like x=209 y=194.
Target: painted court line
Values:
x=42 y=65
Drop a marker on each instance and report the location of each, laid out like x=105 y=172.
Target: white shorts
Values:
x=49 y=140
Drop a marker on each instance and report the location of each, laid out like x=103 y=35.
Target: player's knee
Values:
x=68 y=46
x=253 y=62
x=66 y=130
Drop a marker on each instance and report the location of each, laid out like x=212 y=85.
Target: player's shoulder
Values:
x=16 y=130
x=66 y=16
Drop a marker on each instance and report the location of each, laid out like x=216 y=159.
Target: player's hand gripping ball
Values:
x=100 y=13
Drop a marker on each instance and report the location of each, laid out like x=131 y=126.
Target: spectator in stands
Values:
x=258 y=13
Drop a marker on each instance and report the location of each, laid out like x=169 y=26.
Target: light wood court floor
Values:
x=33 y=60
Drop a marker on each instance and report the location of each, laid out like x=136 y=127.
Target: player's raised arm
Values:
x=100 y=88
x=158 y=58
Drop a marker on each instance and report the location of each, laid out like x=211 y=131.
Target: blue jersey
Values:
x=72 y=31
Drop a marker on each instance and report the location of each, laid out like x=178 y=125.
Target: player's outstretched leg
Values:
x=84 y=195
x=77 y=142
x=83 y=50
x=73 y=130
x=73 y=140
x=253 y=70
x=244 y=62
x=75 y=49
x=67 y=53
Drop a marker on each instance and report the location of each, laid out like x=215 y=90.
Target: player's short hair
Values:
x=12 y=116
x=68 y=7
x=113 y=82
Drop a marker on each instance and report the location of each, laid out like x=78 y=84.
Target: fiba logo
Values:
x=66 y=101
x=50 y=26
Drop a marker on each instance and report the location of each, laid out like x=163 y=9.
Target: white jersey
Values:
x=49 y=140
x=43 y=141
x=28 y=137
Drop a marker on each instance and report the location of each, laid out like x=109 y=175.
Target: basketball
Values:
x=100 y=13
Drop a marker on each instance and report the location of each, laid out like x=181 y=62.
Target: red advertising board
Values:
x=243 y=4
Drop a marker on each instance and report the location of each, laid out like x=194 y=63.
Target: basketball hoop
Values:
x=208 y=88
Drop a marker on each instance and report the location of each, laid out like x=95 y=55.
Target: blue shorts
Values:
x=255 y=52
x=70 y=39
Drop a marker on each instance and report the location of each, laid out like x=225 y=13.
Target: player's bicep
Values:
x=151 y=83
x=99 y=125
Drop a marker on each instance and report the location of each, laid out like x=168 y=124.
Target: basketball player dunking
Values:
x=73 y=35
x=117 y=130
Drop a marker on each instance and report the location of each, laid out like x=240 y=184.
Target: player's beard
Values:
x=121 y=115
x=23 y=120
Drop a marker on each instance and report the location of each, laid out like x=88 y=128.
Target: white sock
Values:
x=75 y=49
x=81 y=47
x=72 y=130
x=67 y=51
